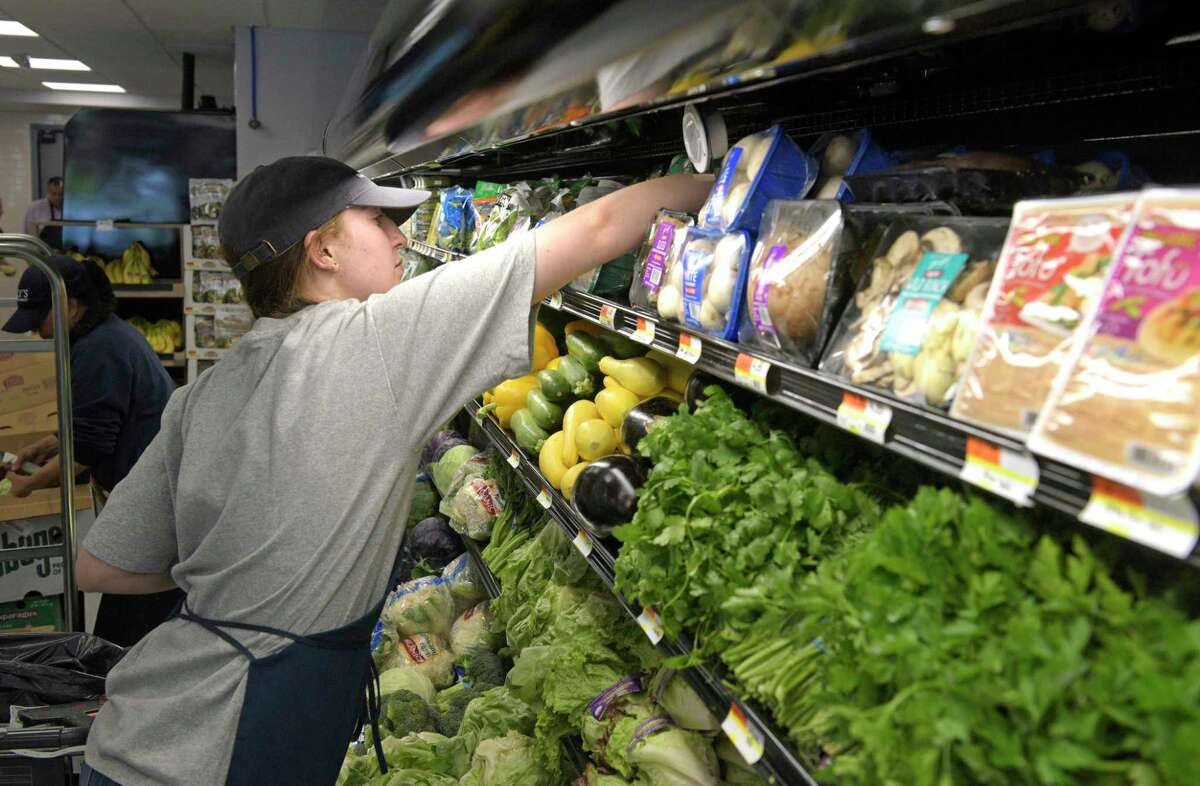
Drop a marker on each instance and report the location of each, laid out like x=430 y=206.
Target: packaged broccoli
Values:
x=420 y=606
x=715 y=265
x=657 y=263
x=759 y=168
x=913 y=320
x=455 y=220
x=471 y=633
x=464 y=585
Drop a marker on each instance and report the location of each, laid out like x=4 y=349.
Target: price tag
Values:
x=747 y=738
x=1168 y=524
x=644 y=334
x=544 y=499
x=514 y=460
x=651 y=625
x=751 y=372
x=555 y=301
x=105 y=225
x=690 y=348
x=608 y=316
x=1007 y=473
x=865 y=417
x=583 y=543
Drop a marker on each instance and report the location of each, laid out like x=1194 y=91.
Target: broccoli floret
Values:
x=450 y=720
x=404 y=712
x=485 y=670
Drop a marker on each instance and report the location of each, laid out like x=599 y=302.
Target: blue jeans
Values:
x=89 y=777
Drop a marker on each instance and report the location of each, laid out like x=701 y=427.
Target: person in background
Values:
x=118 y=392
x=49 y=208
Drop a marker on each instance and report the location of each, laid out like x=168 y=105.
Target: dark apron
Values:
x=304 y=704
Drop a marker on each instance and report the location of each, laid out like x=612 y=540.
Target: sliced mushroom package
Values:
x=657 y=267
x=714 y=280
x=798 y=278
x=1124 y=404
x=1050 y=278
x=914 y=317
x=761 y=167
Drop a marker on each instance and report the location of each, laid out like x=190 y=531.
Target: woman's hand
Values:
x=22 y=485
x=38 y=453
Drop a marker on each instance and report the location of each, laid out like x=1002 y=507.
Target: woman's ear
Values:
x=319 y=252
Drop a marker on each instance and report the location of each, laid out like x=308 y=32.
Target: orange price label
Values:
x=690 y=348
x=608 y=316
x=1168 y=524
x=644 y=333
x=751 y=372
x=745 y=736
x=1007 y=473
x=514 y=460
x=651 y=625
x=544 y=499
x=865 y=417
x=583 y=543
x=555 y=301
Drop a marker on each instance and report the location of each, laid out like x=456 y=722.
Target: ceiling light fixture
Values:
x=8 y=62
x=84 y=87
x=57 y=64
x=13 y=27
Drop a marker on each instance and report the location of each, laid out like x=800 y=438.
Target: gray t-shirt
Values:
x=276 y=492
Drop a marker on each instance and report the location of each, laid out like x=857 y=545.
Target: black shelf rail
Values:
x=933 y=439
x=778 y=764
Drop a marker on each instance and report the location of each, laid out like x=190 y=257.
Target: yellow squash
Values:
x=550 y=460
x=640 y=376
x=595 y=438
x=580 y=411
x=544 y=347
x=614 y=403
x=568 y=480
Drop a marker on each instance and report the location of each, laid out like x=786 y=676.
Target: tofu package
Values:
x=1124 y=404
x=1051 y=275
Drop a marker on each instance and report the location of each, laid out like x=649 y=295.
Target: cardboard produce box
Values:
x=27 y=379
x=37 y=421
x=31 y=615
x=36 y=521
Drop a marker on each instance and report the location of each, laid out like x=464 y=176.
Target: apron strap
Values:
x=219 y=627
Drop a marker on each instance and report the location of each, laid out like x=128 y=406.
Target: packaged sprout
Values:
x=1050 y=278
x=657 y=263
x=798 y=278
x=1124 y=405
x=714 y=280
x=913 y=319
x=761 y=167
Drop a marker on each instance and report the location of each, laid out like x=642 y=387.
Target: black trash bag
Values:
x=53 y=668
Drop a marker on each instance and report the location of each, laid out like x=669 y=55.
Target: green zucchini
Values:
x=554 y=385
x=530 y=435
x=622 y=347
x=586 y=349
x=545 y=413
x=577 y=376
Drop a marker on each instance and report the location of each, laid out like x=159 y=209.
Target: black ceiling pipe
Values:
x=188 y=97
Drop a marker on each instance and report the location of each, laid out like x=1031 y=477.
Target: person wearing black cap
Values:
x=275 y=492
x=118 y=391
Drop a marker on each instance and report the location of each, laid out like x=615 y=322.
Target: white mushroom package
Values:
x=713 y=273
x=915 y=316
x=658 y=269
x=760 y=167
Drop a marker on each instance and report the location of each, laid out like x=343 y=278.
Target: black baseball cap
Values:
x=33 y=292
x=275 y=206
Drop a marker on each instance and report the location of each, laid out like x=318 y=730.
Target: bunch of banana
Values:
x=133 y=267
x=164 y=336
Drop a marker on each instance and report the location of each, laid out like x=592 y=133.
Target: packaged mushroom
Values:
x=798 y=277
x=1051 y=275
x=714 y=280
x=913 y=320
x=761 y=167
x=844 y=154
x=1124 y=404
x=657 y=267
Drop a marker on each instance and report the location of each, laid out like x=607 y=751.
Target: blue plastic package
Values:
x=867 y=157
x=715 y=266
x=760 y=167
x=457 y=219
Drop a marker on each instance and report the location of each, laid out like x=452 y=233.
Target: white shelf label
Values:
x=555 y=301
x=690 y=348
x=746 y=737
x=583 y=543
x=105 y=225
x=1006 y=473
x=544 y=499
x=608 y=316
x=865 y=417
x=751 y=372
x=644 y=332
x=651 y=625
x=514 y=460
x=1168 y=524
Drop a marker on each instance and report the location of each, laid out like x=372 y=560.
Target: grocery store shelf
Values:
x=486 y=577
x=207 y=353
x=165 y=288
x=103 y=224
x=215 y=308
x=207 y=264
x=778 y=764
x=433 y=252
x=174 y=360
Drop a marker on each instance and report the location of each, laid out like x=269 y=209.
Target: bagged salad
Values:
x=798 y=278
x=455 y=219
x=1050 y=278
x=658 y=263
x=761 y=167
x=913 y=319
x=714 y=280
x=420 y=606
x=1124 y=405
x=464 y=586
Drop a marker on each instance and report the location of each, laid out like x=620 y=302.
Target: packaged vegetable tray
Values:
x=841 y=155
x=1124 y=405
x=715 y=265
x=798 y=278
x=761 y=167
x=913 y=319
x=1050 y=278
x=657 y=262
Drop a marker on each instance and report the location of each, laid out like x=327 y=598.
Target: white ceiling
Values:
x=138 y=44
